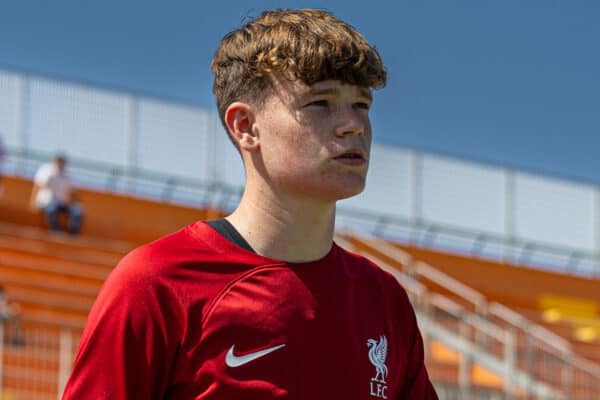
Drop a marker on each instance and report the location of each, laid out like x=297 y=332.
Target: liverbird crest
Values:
x=377 y=356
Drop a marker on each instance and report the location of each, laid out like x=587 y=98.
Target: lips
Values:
x=352 y=154
x=352 y=157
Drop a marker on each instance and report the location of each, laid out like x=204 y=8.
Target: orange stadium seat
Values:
x=107 y=215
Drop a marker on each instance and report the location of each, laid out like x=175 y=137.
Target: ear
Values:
x=240 y=118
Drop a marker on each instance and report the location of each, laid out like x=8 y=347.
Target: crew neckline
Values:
x=222 y=245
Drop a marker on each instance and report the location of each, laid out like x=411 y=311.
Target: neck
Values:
x=285 y=228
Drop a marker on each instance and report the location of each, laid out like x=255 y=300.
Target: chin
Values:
x=328 y=188
x=343 y=191
x=347 y=194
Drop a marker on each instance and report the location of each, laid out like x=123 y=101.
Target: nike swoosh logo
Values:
x=234 y=361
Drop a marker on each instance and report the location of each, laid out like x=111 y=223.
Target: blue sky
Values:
x=506 y=82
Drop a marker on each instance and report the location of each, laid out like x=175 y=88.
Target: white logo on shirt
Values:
x=377 y=356
x=234 y=361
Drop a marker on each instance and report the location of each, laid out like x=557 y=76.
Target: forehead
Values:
x=297 y=90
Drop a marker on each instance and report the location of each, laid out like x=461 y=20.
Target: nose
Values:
x=350 y=122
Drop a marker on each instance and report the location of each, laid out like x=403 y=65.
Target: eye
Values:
x=318 y=103
x=362 y=105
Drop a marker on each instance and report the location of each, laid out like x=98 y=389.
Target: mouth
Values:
x=353 y=154
x=352 y=158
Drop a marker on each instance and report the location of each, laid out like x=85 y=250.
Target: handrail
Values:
x=505 y=369
x=480 y=302
x=409 y=283
x=403 y=257
x=458 y=288
x=458 y=343
x=448 y=305
x=425 y=270
x=412 y=286
x=539 y=332
x=490 y=362
x=560 y=348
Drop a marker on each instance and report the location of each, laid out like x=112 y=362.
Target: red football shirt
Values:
x=194 y=316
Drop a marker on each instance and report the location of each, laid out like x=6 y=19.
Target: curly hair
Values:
x=306 y=45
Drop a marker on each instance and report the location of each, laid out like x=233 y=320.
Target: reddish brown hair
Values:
x=306 y=45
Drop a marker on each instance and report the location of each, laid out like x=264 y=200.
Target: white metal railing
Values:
x=546 y=368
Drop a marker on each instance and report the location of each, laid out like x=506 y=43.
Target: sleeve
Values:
x=131 y=338
x=416 y=383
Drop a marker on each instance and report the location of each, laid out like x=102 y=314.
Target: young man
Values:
x=262 y=304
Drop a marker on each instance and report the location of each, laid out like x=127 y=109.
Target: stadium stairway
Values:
x=464 y=295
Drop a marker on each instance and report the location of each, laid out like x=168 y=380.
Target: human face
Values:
x=315 y=140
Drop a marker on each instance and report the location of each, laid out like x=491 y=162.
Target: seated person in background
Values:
x=7 y=310
x=54 y=194
x=10 y=313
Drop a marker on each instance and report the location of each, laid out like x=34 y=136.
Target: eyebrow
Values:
x=333 y=91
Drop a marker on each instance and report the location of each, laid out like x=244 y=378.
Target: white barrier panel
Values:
x=553 y=211
x=77 y=120
x=9 y=107
x=390 y=183
x=173 y=139
x=226 y=160
x=464 y=194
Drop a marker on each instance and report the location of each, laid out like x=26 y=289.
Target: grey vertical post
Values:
x=132 y=141
x=417 y=195
x=466 y=363
x=22 y=118
x=509 y=215
x=65 y=359
x=510 y=360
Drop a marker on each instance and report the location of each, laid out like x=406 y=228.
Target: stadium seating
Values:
x=111 y=216
x=465 y=305
x=55 y=278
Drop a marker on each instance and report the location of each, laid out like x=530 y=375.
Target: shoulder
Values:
x=164 y=255
x=371 y=273
x=362 y=265
x=179 y=272
x=193 y=254
x=154 y=277
x=44 y=171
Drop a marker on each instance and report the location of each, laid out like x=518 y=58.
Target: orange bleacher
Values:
x=562 y=303
x=113 y=217
x=55 y=277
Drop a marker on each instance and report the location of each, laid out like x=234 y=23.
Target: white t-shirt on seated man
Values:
x=53 y=186
x=53 y=193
